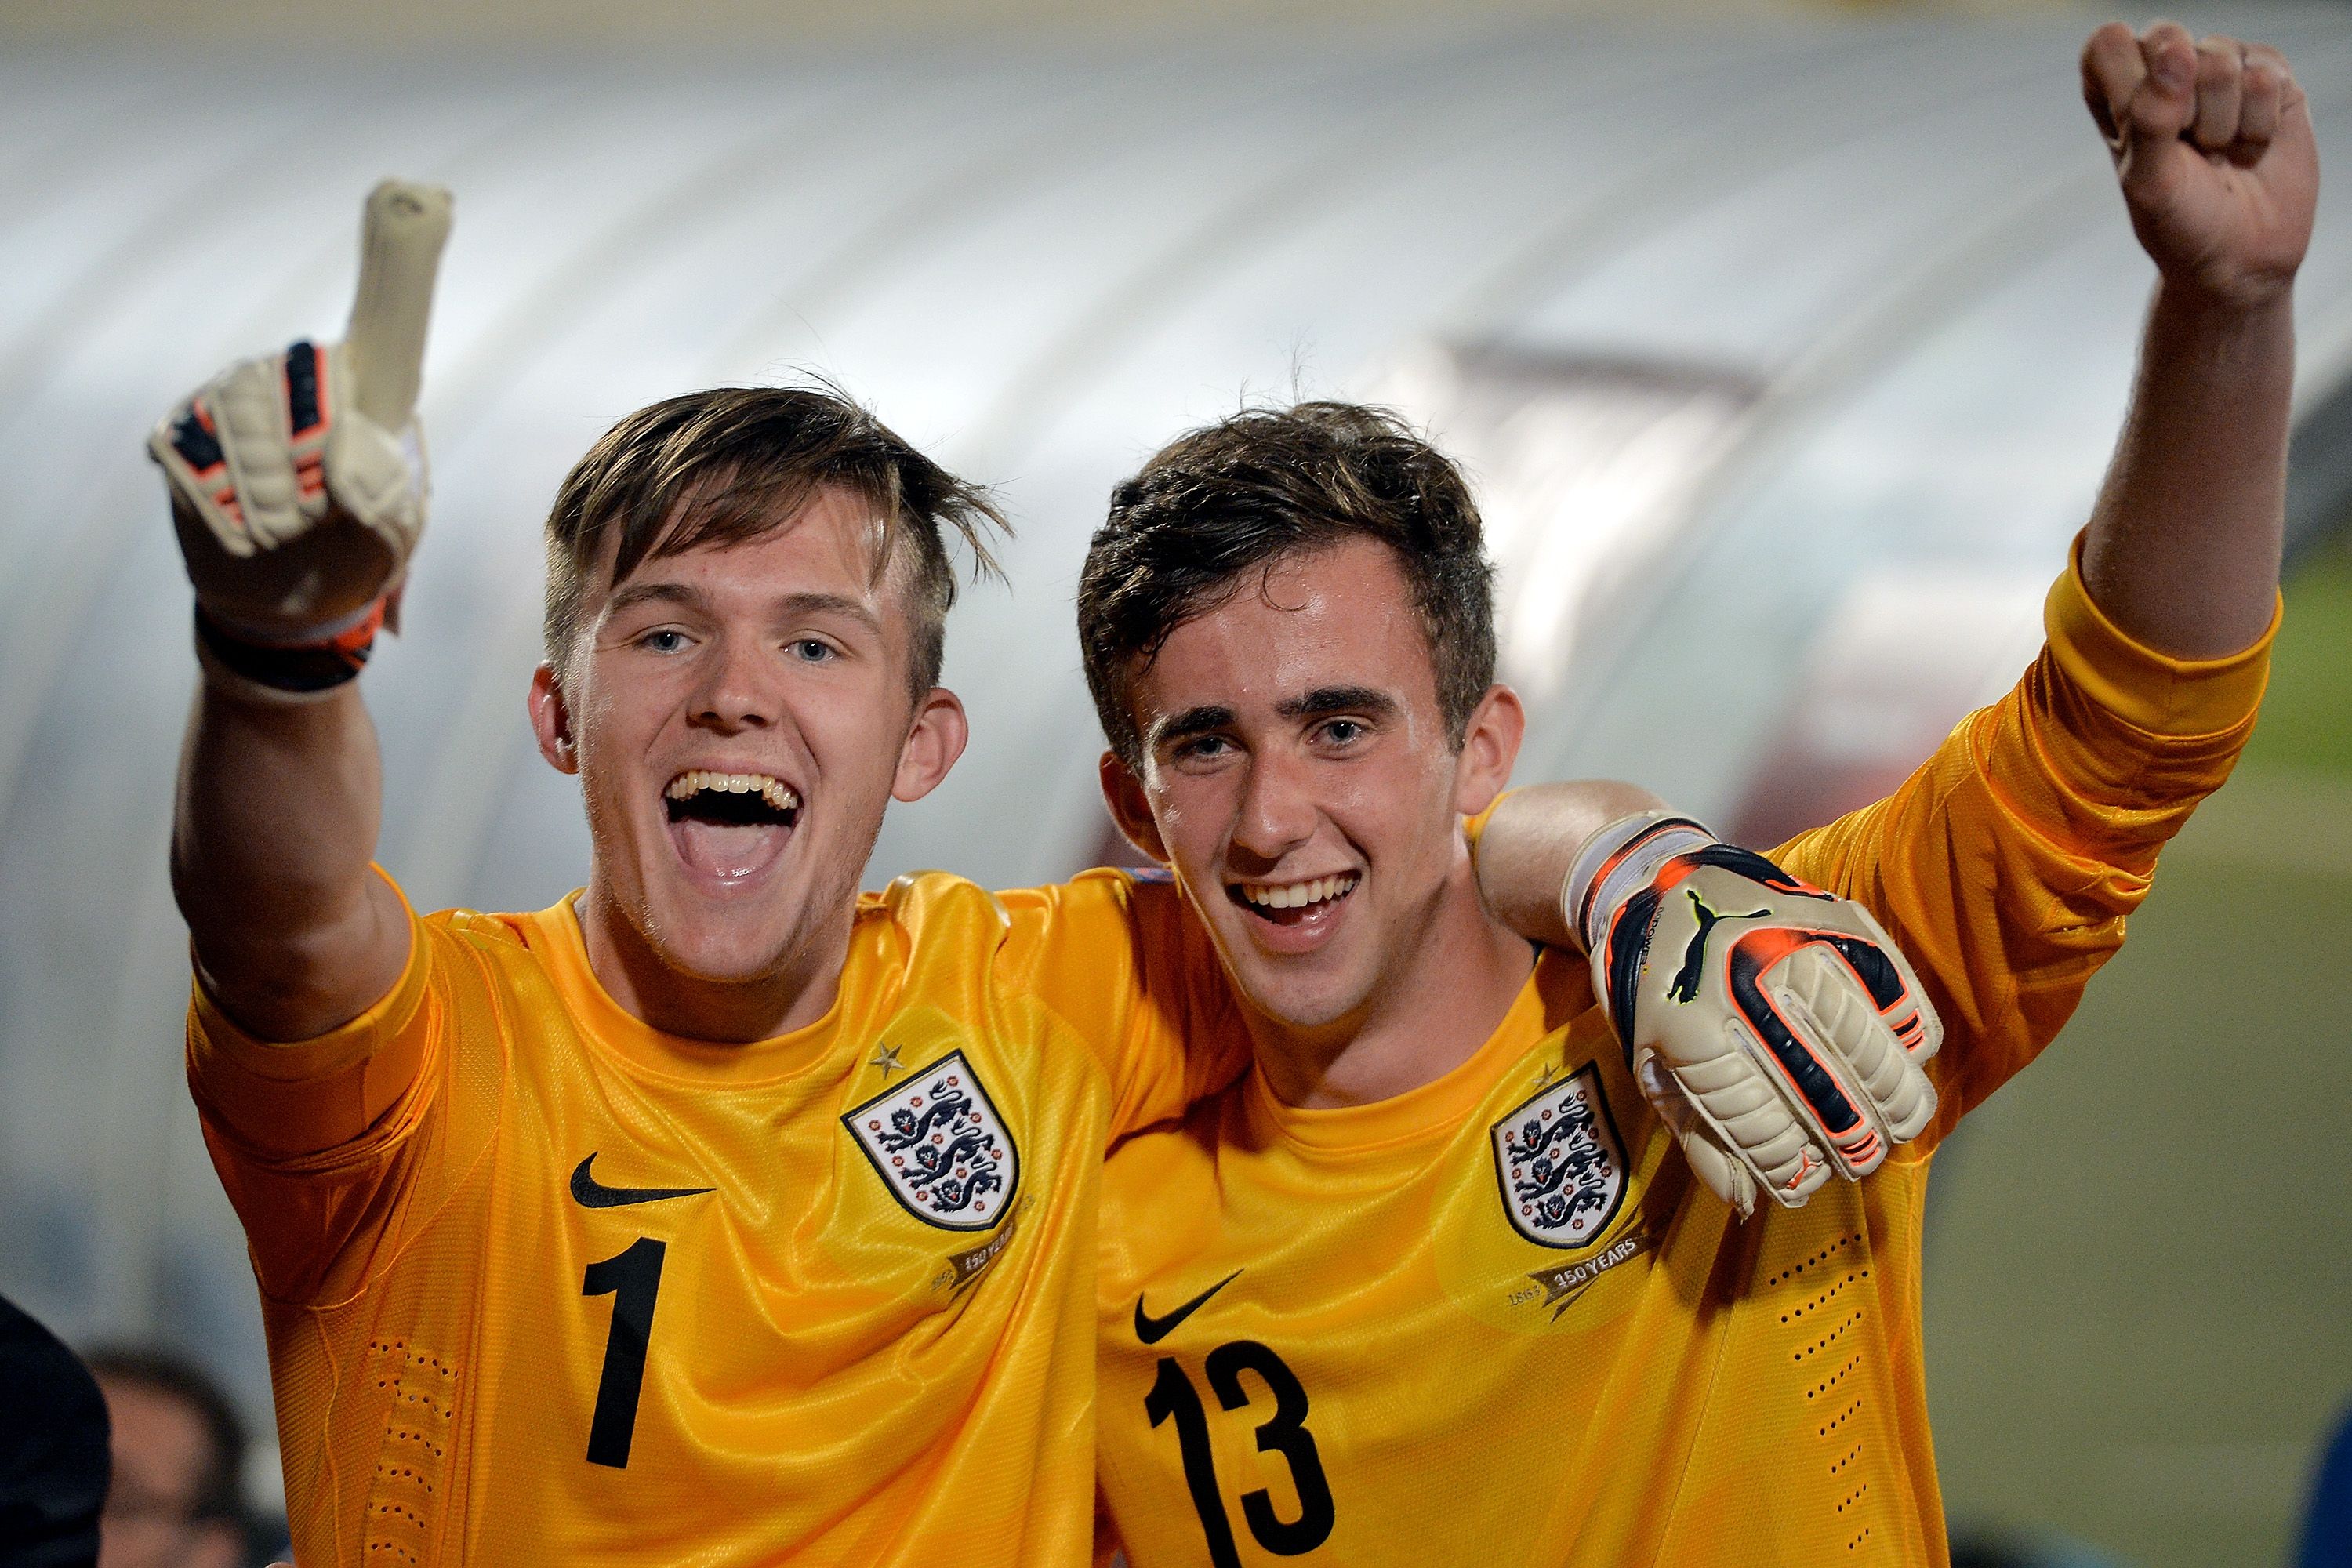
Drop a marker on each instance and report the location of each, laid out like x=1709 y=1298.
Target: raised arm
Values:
x=2213 y=150
x=275 y=825
x=297 y=489
x=2214 y=153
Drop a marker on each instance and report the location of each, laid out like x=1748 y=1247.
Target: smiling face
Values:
x=1298 y=775
x=739 y=715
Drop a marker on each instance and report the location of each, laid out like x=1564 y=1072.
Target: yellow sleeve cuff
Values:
x=1474 y=827
x=2150 y=690
x=214 y=1032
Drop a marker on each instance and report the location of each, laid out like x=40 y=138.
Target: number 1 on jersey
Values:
x=633 y=1278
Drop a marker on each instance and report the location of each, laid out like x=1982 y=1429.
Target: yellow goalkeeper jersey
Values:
x=1497 y=1321
x=542 y=1285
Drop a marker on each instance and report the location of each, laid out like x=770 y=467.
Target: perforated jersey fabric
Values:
x=543 y=1285
x=1495 y=1319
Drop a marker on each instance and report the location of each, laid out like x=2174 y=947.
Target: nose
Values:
x=736 y=690
x=1277 y=810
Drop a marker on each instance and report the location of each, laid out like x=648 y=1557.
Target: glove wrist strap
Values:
x=305 y=671
x=1618 y=861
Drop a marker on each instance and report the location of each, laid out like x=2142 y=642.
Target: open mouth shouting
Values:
x=729 y=827
x=1295 y=913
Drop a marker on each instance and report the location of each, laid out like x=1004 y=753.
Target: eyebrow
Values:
x=635 y=593
x=1321 y=701
x=833 y=605
x=1337 y=700
x=1191 y=721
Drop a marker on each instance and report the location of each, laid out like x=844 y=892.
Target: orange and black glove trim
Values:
x=288 y=671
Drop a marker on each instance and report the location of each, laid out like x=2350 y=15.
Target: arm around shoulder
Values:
x=1526 y=845
x=1117 y=958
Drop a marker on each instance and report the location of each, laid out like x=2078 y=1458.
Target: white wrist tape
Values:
x=1618 y=861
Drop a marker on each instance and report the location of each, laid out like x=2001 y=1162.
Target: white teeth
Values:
x=694 y=781
x=1296 y=895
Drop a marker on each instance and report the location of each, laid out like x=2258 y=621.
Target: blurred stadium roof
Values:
x=731 y=24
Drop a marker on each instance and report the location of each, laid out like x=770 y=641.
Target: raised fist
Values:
x=2213 y=147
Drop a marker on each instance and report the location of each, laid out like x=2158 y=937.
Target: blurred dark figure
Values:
x=2328 y=1526
x=178 y=1499
x=52 y=1449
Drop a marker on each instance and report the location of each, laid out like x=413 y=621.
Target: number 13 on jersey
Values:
x=1283 y=1432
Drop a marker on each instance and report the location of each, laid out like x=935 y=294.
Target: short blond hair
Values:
x=732 y=463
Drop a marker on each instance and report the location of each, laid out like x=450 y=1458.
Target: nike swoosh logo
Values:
x=1151 y=1330
x=590 y=1193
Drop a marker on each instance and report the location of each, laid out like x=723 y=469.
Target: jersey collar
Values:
x=554 y=935
x=1440 y=1107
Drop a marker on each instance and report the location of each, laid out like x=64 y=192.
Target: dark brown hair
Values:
x=734 y=463
x=1250 y=490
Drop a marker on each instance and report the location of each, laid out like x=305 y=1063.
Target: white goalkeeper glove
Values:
x=1775 y=1027
x=298 y=479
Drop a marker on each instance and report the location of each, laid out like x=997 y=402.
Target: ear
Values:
x=934 y=740
x=1490 y=749
x=1130 y=807
x=551 y=721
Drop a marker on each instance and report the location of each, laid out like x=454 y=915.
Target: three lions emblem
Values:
x=1560 y=1162
x=940 y=1148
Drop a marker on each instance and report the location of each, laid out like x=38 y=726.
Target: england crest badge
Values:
x=940 y=1146
x=1560 y=1162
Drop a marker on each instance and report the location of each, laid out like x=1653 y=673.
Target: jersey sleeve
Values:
x=314 y=1140
x=1117 y=957
x=2004 y=867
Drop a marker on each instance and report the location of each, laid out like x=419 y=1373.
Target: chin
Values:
x=749 y=935
x=1296 y=1003
x=702 y=947
x=726 y=962
x=727 y=941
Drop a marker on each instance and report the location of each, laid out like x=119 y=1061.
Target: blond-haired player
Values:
x=1431 y=1284
x=718 y=1214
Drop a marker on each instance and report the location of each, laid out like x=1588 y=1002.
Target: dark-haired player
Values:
x=1431 y=1284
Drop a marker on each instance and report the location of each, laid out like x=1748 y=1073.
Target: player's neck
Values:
x=650 y=988
x=1440 y=999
